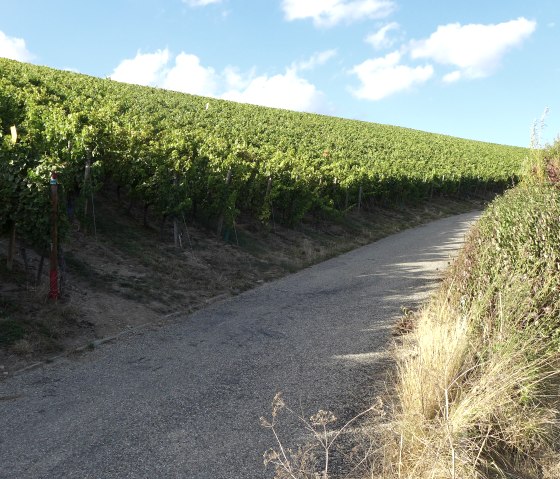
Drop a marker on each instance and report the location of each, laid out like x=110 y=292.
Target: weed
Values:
x=478 y=376
x=22 y=347
x=314 y=459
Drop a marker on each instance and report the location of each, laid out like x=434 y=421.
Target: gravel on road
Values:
x=183 y=400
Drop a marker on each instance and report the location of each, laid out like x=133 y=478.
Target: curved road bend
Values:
x=184 y=400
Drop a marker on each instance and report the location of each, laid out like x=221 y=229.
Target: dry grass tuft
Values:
x=478 y=389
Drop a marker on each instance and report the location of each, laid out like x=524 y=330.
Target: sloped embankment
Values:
x=478 y=393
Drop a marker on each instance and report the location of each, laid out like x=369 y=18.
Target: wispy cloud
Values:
x=381 y=39
x=186 y=74
x=327 y=13
x=314 y=61
x=190 y=76
x=473 y=51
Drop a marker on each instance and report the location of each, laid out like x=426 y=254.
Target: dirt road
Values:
x=183 y=400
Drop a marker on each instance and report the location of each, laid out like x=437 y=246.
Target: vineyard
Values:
x=179 y=156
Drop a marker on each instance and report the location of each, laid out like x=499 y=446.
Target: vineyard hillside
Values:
x=212 y=160
x=147 y=177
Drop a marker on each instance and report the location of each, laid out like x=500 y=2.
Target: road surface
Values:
x=183 y=400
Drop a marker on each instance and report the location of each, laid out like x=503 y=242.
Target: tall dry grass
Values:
x=477 y=392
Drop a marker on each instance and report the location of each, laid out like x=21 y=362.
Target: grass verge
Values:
x=478 y=377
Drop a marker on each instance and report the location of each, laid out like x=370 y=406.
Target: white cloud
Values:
x=288 y=91
x=188 y=75
x=380 y=39
x=144 y=69
x=452 y=77
x=475 y=49
x=235 y=80
x=385 y=76
x=200 y=3
x=315 y=60
x=14 y=48
x=326 y=13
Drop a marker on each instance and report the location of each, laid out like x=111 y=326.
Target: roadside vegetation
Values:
x=475 y=393
x=478 y=376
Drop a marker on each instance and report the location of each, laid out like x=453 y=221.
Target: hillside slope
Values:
x=182 y=157
x=124 y=275
x=167 y=200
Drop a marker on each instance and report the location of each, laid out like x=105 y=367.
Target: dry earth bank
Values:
x=125 y=275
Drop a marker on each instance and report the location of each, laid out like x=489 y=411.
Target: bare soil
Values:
x=123 y=275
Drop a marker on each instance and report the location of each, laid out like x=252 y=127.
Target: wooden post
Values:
x=187 y=231
x=221 y=217
x=176 y=239
x=54 y=293
x=267 y=204
x=23 y=253
x=268 y=187
x=61 y=271
x=87 y=174
x=12 y=240
x=360 y=198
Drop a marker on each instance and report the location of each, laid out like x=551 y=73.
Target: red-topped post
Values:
x=54 y=293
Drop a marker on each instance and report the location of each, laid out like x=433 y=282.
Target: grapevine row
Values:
x=211 y=159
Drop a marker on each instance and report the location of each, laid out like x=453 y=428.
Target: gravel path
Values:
x=183 y=400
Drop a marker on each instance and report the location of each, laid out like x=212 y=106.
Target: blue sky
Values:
x=479 y=69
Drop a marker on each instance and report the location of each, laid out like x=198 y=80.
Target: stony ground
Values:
x=183 y=399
